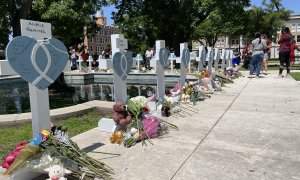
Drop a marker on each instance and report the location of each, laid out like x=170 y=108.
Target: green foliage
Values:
x=143 y=22
x=134 y=108
x=267 y=19
x=223 y=21
x=68 y=17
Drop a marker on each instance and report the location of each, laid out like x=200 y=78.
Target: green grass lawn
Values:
x=296 y=75
x=10 y=137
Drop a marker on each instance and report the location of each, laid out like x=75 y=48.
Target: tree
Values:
x=175 y=21
x=225 y=21
x=267 y=19
x=68 y=17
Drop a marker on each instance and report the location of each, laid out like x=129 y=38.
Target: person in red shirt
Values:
x=284 y=51
x=292 y=53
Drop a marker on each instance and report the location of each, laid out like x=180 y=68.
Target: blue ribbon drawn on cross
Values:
x=38 y=62
x=163 y=57
x=185 y=59
x=122 y=63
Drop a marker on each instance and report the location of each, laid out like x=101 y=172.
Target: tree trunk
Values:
x=21 y=13
x=215 y=39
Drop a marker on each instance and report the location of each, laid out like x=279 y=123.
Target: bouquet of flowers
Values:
x=143 y=125
x=54 y=145
x=221 y=77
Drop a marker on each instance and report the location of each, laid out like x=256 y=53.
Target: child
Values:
x=292 y=53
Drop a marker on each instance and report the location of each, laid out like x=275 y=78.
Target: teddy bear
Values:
x=121 y=116
x=57 y=172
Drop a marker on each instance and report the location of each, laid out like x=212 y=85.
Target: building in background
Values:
x=98 y=43
x=294 y=24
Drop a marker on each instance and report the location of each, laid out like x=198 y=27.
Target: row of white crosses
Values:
x=213 y=55
x=106 y=64
x=122 y=62
x=209 y=56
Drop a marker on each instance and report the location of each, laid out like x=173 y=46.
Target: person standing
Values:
x=292 y=53
x=73 y=60
x=247 y=54
x=148 y=55
x=267 y=52
x=258 y=47
x=237 y=57
x=284 y=51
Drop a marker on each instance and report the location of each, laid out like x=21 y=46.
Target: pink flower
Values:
x=10 y=158
x=176 y=88
x=150 y=127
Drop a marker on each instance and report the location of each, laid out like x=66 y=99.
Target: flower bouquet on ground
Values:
x=47 y=149
x=221 y=77
x=235 y=72
x=142 y=126
x=205 y=80
x=178 y=108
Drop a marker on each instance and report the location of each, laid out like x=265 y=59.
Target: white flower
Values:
x=133 y=131
x=141 y=100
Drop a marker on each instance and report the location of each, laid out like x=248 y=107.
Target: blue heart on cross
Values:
x=37 y=62
x=185 y=59
x=122 y=63
x=163 y=57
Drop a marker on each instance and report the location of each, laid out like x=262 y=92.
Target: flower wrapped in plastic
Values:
x=24 y=154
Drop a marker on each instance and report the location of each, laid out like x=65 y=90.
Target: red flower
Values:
x=10 y=158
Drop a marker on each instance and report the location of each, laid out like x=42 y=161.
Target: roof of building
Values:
x=296 y=16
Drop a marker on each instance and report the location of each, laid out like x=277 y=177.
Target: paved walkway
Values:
x=251 y=130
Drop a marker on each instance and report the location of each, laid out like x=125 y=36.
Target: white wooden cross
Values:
x=201 y=57
x=90 y=63
x=193 y=56
x=216 y=58
x=227 y=58
x=119 y=44
x=223 y=57
x=39 y=99
x=80 y=60
x=172 y=57
x=182 y=66
x=139 y=58
x=160 y=70
x=209 y=58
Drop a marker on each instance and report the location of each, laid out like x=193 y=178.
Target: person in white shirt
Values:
x=148 y=55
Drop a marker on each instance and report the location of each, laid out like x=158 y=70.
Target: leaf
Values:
x=134 y=108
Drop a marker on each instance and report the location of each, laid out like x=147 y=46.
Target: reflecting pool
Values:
x=14 y=98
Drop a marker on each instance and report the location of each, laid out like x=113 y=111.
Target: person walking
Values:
x=292 y=53
x=148 y=55
x=284 y=51
x=258 y=47
x=267 y=52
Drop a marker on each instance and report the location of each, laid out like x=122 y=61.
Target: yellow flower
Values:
x=188 y=91
x=45 y=132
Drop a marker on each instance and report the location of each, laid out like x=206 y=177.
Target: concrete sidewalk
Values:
x=251 y=130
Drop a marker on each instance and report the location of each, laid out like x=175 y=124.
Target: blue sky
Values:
x=293 y=5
